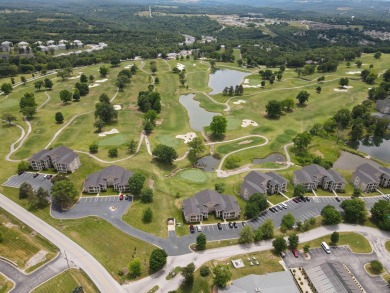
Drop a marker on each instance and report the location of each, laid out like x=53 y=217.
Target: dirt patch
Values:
x=10 y=225
x=245 y=142
x=37 y=258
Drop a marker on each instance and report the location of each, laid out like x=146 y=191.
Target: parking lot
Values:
x=102 y=206
x=37 y=182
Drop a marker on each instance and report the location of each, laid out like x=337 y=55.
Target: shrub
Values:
x=204 y=271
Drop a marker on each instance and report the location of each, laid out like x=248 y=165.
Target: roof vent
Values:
x=257 y=290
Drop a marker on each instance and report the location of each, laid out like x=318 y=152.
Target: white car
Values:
x=199 y=228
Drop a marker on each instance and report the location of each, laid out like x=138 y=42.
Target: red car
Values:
x=295 y=252
x=121 y=196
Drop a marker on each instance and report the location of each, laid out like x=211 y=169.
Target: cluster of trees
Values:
x=368 y=76
x=124 y=76
x=271 y=76
x=149 y=100
x=275 y=108
x=197 y=147
x=104 y=112
x=164 y=154
x=230 y=91
x=63 y=192
x=263 y=232
x=27 y=105
x=218 y=126
x=382 y=91
x=256 y=204
x=36 y=200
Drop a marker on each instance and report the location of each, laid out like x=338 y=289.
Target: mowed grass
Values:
x=239 y=144
x=355 y=241
x=387 y=245
x=20 y=242
x=194 y=175
x=5 y=284
x=168 y=140
x=114 y=140
x=66 y=282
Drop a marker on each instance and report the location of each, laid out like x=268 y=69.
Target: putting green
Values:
x=113 y=140
x=194 y=175
x=233 y=123
x=168 y=140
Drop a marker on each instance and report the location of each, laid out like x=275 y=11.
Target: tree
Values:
x=147 y=215
x=222 y=275
x=329 y=125
x=23 y=166
x=99 y=124
x=342 y=118
x=48 y=83
x=288 y=104
x=318 y=89
x=218 y=126
x=93 y=148
x=220 y=187
x=293 y=241
x=64 y=73
x=148 y=127
x=164 y=154
x=83 y=89
x=157 y=260
x=204 y=271
x=91 y=78
x=66 y=96
x=255 y=205
x=105 y=112
x=299 y=190
x=267 y=228
x=136 y=183
x=279 y=244
x=132 y=146
x=354 y=210
x=39 y=84
x=83 y=78
x=113 y=152
x=247 y=235
x=147 y=195
x=273 y=109
x=135 y=267
x=63 y=193
x=25 y=190
x=197 y=145
x=40 y=199
x=76 y=95
x=6 y=88
x=302 y=97
x=380 y=214
x=359 y=63
x=330 y=215
x=376 y=266
x=377 y=55
x=302 y=140
x=306 y=248
x=356 y=192
x=7 y=117
x=28 y=101
x=188 y=273
x=334 y=237
x=201 y=242
x=59 y=117
x=103 y=71
x=288 y=220
x=344 y=81
x=29 y=112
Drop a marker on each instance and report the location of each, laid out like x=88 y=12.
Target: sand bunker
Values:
x=112 y=131
x=193 y=64
x=239 y=102
x=341 y=90
x=247 y=122
x=75 y=77
x=245 y=142
x=246 y=80
x=353 y=72
x=348 y=87
x=93 y=85
x=101 y=80
x=117 y=107
x=180 y=66
x=187 y=137
x=252 y=86
x=128 y=66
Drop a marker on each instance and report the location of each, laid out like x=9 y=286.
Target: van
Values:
x=325 y=247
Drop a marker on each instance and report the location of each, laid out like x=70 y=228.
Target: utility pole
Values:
x=67 y=261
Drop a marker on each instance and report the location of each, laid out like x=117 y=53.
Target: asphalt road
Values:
x=75 y=253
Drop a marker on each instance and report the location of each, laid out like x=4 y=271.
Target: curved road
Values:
x=75 y=253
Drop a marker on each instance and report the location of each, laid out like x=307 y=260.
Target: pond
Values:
x=208 y=163
x=271 y=158
x=375 y=147
x=225 y=78
x=199 y=117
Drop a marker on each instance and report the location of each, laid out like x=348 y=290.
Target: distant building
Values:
x=51 y=42
x=278 y=282
x=369 y=178
x=5 y=46
x=22 y=43
x=314 y=176
x=265 y=183
x=113 y=176
x=383 y=106
x=198 y=207
x=61 y=158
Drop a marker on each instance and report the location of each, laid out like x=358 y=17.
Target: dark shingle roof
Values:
x=60 y=154
x=383 y=106
x=368 y=173
x=114 y=174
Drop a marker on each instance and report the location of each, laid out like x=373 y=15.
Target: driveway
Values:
x=17 y=180
x=354 y=261
x=25 y=283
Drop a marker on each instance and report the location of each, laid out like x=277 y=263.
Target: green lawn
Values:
x=66 y=282
x=357 y=242
x=5 y=284
x=229 y=147
x=20 y=242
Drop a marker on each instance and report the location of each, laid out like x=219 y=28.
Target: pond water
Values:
x=199 y=117
x=271 y=158
x=376 y=147
x=225 y=78
x=208 y=163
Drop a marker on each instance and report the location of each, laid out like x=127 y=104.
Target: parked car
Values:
x=48 y=176
x=271 y=210
x=20 y=173
x=283 y=205
x=127 y=197
x=304 y=199
x=295 y=200
x=307 y=198
x=299 y=199
x=219 y=225
x=294 y=252
x=35 y=175
x=235 y=225
x=338 y=199
x=199 y=228
x=230 y=225
x=279 y=207
x=121 y=196
x=282 y=254
x=192 y=229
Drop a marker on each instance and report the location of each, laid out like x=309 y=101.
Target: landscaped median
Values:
x=5 y=284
